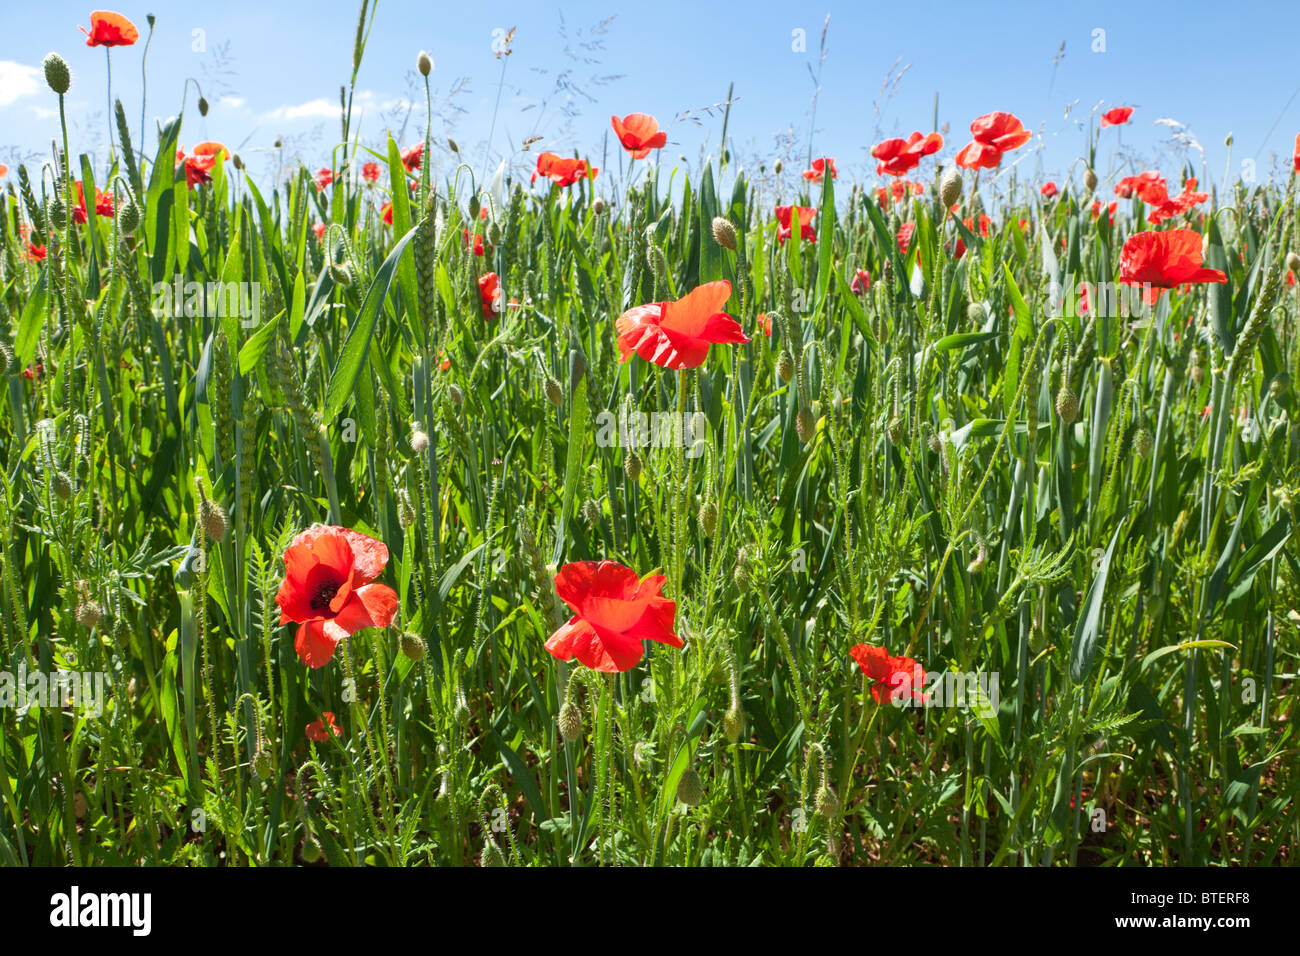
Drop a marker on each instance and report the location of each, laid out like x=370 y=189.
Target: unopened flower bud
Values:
x=1067 y=404
x=262 y=765
x=213 y=518
x=419 y=441
x=1293 y=261
x=733 y=723
x=632 y=466
x=724 y=233
x=598 y=205
x=950 y=187
x=804 y=425
x=203 y=105
x=424 y=63
x=690 y=790
x=708 y=517
x=1090 y=180
x=777 y=167
x=62 y=485
x=570 y=722
x=128 y=216
x=785 y=365
x=57 y=73
x=554 y=393
x=89 y=613
x=413 y=646
x=310 y=849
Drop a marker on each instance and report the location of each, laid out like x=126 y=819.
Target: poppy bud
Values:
x=451 y=144
x=1293 y=261
x=591 y=511
x=1143 y=441
x=708 y=517
x=598 y=205
x=1090 y=179
x=419 y=441
x=1197 y=374
x=724 y=233
x=1067 y=405
x=262 y=765
x=203 y=105
x=213 y=518
x=237 y=161
x=632 y=466
x=804 y=426
x=570 y=721
x=741 y=573
x=1227 y=141
x=405 y=510
x=981 y=558
x=777 y=167
x=896 y=430
x=57 y=73
x=554 y=393
x=733 y=723
x=689 y=789
x=89 y=613
x=413 y=646
x=456 y=394
x=950 y=187
x=976 y=313
x=827 y=804
x=491 y=855
x=785 y=365
x=278 y=142
x=128 y=216
x=310 y=849
x=62 y=485
x=461 y=714
x=341 y=274
x=424 y=63
x=1278 y=387
x=474 y=207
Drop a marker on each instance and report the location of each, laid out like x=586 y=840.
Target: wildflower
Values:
x=900 y=156
x=639 y=133
x=412 y=156
x=614 y=612
x=818 y=170
x=328 y=590
x=110 y=29
x=103 y=204
x=474 y=244
x=905 y=236
x=1162 y=260
x=1116 y=117
x=861 y=282
x=897 y=679
x=765 y=323
x=320 y=730
x=318 y=230
x=386 y=213
x=324 y=179
x=994 y=134
x=785 y=216
x=1177 y=205
x=678 y=334
x=370 y=172
x=1098 y=206
x=950 y=186
x=489 y=293
x=563 y=171
x=1150 y=187
x=1048 y=190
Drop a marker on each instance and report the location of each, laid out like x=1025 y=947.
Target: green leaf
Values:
x=1087 y=629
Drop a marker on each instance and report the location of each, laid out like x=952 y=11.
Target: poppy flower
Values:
x=900 y=156
x=563 y=171
x=765 y=323
x=35 y=253
x=1162 y=260
x=103 y=204
x=1295 y=159
x=1150 y=187
x=489 y=294
x=614 y=611
x=1116 y=117
x=33 y=372
x=785 y=226
x=199 y=166
x=370 y=172
x=317 y=729
x=324 y=179
x=1177 y=205
x=328 y=589
x=639 y=133
x=905 y=236
x=318 y=229
x=412 y=156
x=1048 y=190
x=4 y=170
x=818 y=170
x=110 y=29
x=476 y=244
x=994 y=134
x=678 y=334
x=861 y=282
x=1110 y=208
x=894 y=679
x=386 y=211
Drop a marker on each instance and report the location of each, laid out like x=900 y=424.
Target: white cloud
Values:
x=232 y=102
x=44 y=112
x=17 y=81
x=320 y=108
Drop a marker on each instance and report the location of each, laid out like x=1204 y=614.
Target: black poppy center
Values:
x=326 y=588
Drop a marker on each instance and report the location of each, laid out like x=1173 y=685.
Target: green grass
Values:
x=911 y=486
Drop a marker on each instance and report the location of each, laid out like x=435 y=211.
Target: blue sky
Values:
x=275 y=69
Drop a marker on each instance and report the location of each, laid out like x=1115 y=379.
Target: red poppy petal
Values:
x=314 y=646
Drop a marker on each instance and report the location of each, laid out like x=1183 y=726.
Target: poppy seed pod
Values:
x=424 y=63
x=57 y=74
x=690 y=790
x=1067 y=405
x=724 y=233
x=950 y=187
x=570 y=722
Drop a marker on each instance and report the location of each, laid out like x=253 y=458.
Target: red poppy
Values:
x=36 y=253
x=1296 y=158
x=318 y=229
x=199 y=166
x=861 y=282
x=328 y=590
x=900 y=156
x=1177 y=205
x=1048 y=190
x=412 y=156
x=317 y=731
x=110 y=29
x=905 y=236
x=476 y=244
x=1150 y=187
x=1162 y=260
x=103 y=204
x=1110 y=208
x=818 y=170
x=894 y=679
x=995 y=133
x=489 y=294
x=1116 y=117
x=386 y=211
x=614 y=612
x=678 y=334
x=563 y=171
x=32 y=372
x=785 y=226
x=4 y=170
x=765 y=323
x=639 y=133
x=324 y=179
x=370 y=172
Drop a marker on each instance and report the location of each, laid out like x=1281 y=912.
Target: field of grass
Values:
x=964 y=568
